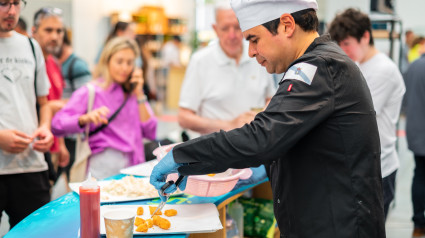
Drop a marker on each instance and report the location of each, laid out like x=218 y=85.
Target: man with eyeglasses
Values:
x=48 y=30
x=24 y=181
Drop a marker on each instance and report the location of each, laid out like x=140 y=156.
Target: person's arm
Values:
x=56 y=105
x=137 y=78
x=73 y=117
x=43 y=137
x=148 y=121
x=190 y=120
x=63 y=153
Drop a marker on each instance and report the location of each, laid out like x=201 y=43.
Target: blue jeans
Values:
x=418 y=192
x=388 y=185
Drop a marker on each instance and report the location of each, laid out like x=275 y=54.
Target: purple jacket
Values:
x=124 y=133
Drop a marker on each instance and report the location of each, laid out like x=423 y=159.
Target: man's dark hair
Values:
x=119 y=26
x=177 y=38
x=22 y=24
x=306 y=19
x=66 y=37
x=352 y=23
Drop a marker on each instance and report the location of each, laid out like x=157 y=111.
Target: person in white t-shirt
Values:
x=224 y=88
x=170 y=53
x=24 y=182
x=222 y=84
x=352 y=31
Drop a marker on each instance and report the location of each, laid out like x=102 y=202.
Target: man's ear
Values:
x=366 y=37
x=33 y=30
x=215 y=28
x=287 y=24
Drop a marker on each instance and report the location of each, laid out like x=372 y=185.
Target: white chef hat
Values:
x=252 y=13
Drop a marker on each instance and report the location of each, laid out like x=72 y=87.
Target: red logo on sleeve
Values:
x=290 y=87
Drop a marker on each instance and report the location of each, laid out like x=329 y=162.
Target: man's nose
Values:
x=232 y=33
x=56 y=35
x=12 y=9
x=252 y=51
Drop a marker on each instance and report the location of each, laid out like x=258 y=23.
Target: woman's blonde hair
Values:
x=113 y=46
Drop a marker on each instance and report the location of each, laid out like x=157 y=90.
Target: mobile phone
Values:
x=129 y=86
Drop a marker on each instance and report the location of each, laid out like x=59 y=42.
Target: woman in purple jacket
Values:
x=119 y=144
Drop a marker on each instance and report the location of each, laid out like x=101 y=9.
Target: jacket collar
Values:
x=319 y=40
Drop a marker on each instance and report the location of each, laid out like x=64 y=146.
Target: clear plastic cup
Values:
x=119 y=223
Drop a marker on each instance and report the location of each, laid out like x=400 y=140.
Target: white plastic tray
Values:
x=143 y=169
x=75 y=187
x=190 y=218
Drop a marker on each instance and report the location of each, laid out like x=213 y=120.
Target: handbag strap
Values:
x=35 y=59
x=70 y=71
x=110 y=119
x=90 y=103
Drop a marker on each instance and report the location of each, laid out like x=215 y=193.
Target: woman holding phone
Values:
x=116 y=142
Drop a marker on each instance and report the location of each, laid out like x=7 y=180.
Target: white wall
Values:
x=412 y=13
x=329 y=8
x=89 y=27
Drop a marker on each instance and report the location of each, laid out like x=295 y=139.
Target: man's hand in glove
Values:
x=159 y=174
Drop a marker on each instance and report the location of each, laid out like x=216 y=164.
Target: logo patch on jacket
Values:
x=302 y=71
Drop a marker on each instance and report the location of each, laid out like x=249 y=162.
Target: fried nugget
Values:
x=139 y=221
x=149 y=222
x=156 y=220
x=142 y=227
x=164 y=224
x=140 y=211
x=152 y=210
x=170 y=212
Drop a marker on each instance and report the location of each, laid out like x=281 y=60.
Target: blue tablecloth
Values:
x=61 y=217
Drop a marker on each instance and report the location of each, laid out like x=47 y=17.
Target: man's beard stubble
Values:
x=9 y=27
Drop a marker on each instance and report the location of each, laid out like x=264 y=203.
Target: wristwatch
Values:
x=142 y=99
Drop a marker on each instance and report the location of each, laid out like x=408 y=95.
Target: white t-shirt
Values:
x=215 y=87
x=387 y=89
x=170 y=55
x=18 y=99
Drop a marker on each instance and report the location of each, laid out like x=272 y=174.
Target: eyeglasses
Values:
x=5 y=6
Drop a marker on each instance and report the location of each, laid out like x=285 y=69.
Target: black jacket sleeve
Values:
x=296 y=109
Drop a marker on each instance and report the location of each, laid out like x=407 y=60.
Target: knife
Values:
x=162 y=192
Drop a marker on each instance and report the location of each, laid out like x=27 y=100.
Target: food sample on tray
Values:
x=140 y=211
x=152 y=210
x=130 y=187
x=170 y=212
x=138 y=221
x=143 y=225
x=156 y=219
x=164 y=223
x=149 y=222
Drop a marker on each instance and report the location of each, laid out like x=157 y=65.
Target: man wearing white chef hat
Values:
x=318 y=137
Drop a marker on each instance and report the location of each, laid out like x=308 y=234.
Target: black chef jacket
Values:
x=319 y=136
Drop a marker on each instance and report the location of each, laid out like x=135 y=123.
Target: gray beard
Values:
x=53 y=50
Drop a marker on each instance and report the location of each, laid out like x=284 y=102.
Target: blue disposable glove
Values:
x=159 y=174
x=258 y=174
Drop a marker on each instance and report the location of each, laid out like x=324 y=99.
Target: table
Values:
x=61 y=217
